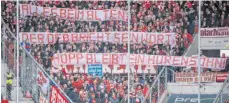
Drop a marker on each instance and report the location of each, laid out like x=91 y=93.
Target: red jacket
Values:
x=145 y=90
x=4 y=101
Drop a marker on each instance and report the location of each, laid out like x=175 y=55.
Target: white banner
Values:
x=42 y=81
x=214 y=38
x=67 y=13
x=42 y=99
x=119 y=37
x=193 y=76
x=73 y=58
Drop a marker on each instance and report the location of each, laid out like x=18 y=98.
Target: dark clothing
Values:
x=9 y=89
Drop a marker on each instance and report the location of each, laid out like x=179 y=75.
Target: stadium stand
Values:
x=180 y=18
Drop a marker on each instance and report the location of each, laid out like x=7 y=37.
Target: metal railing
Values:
x=223 y=94
x=8 y=57
x=157 y=88
x=28 y=71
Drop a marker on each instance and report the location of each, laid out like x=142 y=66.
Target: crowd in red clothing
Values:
x=154 y=16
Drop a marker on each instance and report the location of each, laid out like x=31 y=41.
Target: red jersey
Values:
x=4 y=101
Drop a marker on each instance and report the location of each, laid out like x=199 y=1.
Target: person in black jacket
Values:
x=56 y=45
x=73 y=94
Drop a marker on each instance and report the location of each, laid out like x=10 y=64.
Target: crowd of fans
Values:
x=215 y=14
x=154 y=16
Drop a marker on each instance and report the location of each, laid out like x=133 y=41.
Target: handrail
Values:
x=154 y=83
x=221 y=90
x=40 y=68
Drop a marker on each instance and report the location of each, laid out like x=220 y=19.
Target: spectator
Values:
x=4 y=100
x=170 y=16
x=215 y=13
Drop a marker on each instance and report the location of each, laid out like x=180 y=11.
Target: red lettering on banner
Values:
x=90 y=15
x=74 y=38
x=71 y=57
x=89 y=36
x=46 y=11
x=121 y=14
x=121 y=56
x=24 y=8
x=52 y=38
x=96 y=17
x=202 y=61
x=167 y=60
x=53 y=95
x=124 y=37
x=168 y=37
x=65 y=38
x=219 y=63
x=79 y=56
x=56 y=96
x=160 y=39
x=144 y=38
x=151 y=59
x=32 y=38
x=158 y=60
x=71 y=13
x=113 y=14
x=134 y=37
x=79 y=14
x=99 y=36
x=184 y=61
x=133 y=59
x=108 y=36
x=62 y=12
x=140 y=59
x=56 y=35
x=105 y=58
x=56 y=58
x=136 y=59
x=106 y=15
x=95 y=58
x=54 y=11
x=115 y=59
x=193 y=61
x=209 y=62
x=24 y=35
x=117 y=39
x=89 y=58
x=83 y=37
x=176 y=60
x=40 y=38
x=152 y=40
x=64 y=58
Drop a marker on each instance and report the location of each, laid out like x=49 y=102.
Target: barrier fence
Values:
x=8 y=57
x=157 y=89
x=223 y=94
x=33 y=79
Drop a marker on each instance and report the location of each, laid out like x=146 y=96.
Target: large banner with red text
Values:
x=57 y=97
x=135 y=59
x=75 y=14
x=205 y=76
x=117 y=37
